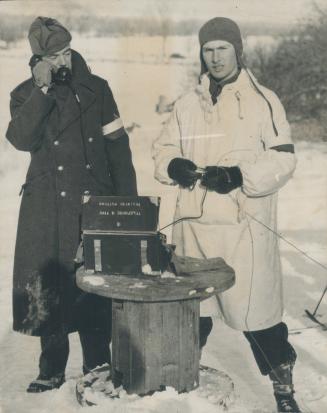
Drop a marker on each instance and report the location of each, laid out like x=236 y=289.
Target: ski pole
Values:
x=322 y=296
x=312 y=316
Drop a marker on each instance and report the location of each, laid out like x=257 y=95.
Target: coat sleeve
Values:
x=28 y=119
x=272 y=168
x=117 y=147
x=167 y=147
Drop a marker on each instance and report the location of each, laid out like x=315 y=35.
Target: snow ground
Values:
x=136 y=84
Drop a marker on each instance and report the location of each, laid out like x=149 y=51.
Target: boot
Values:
x=42 y=383
x=205 y=328
x=283 y=386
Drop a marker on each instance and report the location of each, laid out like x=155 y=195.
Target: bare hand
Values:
x=42 y=74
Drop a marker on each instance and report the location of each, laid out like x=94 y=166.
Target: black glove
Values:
x=222 y=179
x=182 y=171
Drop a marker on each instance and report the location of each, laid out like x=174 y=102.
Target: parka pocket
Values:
x=32 y=180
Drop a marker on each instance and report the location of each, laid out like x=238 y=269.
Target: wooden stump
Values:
x=156 y=345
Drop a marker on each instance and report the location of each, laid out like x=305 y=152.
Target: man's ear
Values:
x=34 y=60
x=204 y=68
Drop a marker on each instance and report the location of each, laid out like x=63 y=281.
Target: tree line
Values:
x=296 y=69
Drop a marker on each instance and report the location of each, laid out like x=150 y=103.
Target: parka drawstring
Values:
x=257 y=89
x=238 y=97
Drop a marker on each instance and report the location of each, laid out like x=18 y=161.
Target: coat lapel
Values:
x=83 y=97
x=76 y=104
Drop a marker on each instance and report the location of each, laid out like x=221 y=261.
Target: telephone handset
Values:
x=63 y=76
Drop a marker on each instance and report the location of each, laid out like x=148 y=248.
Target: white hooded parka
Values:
x=236 y=131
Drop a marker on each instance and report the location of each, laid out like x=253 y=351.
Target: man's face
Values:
x=220 y=59
x=62 y=58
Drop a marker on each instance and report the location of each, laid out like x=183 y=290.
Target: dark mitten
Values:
x=222 y=179
x=182 y=171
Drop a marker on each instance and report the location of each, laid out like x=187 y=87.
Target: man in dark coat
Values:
x=68 y=120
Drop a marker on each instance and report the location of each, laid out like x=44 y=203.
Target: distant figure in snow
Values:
x=236 y=130
x=68 y=120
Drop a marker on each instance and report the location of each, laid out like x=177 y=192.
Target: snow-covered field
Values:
x=137 y=80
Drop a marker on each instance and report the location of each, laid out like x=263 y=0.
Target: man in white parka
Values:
x=237 y=131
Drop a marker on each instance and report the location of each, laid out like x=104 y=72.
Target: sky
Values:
x=274 y=11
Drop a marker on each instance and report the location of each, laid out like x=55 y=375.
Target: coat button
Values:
x=60 y=168
x=63 y=194
x=56 y=143
x=90 y=139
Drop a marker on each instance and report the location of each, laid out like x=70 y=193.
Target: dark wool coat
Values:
x=71 y=155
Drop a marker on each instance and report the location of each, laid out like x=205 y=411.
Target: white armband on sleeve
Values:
x=114 y=129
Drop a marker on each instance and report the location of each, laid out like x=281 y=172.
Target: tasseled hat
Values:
x=221 y=28
x=47 y=36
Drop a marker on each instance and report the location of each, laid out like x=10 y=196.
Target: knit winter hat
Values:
x=221 y=28
x=47 y=36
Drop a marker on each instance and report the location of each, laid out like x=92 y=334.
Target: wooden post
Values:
x=156 y=345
